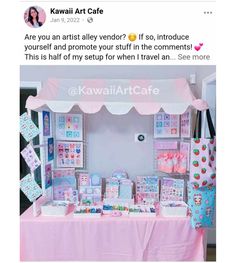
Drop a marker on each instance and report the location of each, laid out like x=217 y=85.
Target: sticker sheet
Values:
x=48 y=175
x=30 y=188
x=185 y=124
x=50 y=149
x=46 y=123
x=69 y=127
x=147 y=189
x=30 y=157
x=166 y=125
x=172 y=189
x=27 y=128
x=69 y=154
x=184 y=148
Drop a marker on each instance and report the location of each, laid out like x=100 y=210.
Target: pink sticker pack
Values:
x=185 y=124
x=30 y=157
x=166 y=125
x=69 y=154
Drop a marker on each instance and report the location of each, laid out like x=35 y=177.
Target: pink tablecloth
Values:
x=114 y=239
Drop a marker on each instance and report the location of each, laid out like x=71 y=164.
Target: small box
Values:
x=54 y=208
x=173 y=209
x=142 y=211
x=88 y=211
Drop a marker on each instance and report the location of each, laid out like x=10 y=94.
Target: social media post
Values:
x=118 y=131
x=118 y=33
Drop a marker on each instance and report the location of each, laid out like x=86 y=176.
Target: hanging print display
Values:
x=185 y=124
x=69 y=127
x=48 y=175
x=69 y=154
x=27 y=128
x=46 y=123
x=166 y=125
x=30 y=188
x=30 y=157
x=50 y=149
x=184 y=148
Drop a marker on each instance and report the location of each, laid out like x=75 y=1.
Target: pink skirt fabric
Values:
x=109 y=239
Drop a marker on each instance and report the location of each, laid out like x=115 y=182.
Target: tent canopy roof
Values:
x=174 y=96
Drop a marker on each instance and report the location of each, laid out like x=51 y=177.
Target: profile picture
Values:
x=34 y=16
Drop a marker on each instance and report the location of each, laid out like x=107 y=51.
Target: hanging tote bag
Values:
x=203 y=155
x=201 y=204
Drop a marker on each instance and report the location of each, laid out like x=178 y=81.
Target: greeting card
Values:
x=62 y=182
x=166 y=125
x=69 y=154
x=185 y=124
x=126 y=190
x=46 y=123
x=112 y=191
x=27 y=128
x=95 y=179
x=30 y=188
x=50 y=149
x=48 y=175
x=172 y=189
x=30 y=157
x=69 y=127
x=84 y=179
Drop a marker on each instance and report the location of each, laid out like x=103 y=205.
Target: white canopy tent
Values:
x=174 y=96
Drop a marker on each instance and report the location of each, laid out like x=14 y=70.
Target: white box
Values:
x=55 y=208
x=173 y=211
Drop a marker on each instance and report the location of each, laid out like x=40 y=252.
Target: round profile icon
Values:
x=34 y=16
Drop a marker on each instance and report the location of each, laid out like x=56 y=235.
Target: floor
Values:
x=211 y=254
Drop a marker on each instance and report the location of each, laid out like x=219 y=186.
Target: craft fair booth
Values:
x=83 y=216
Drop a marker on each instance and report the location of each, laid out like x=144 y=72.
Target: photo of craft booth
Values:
x=127 y=172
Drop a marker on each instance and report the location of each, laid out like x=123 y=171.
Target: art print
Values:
x=69 y=127
x=69 y=154
x=46 y=123
x=166 y=125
